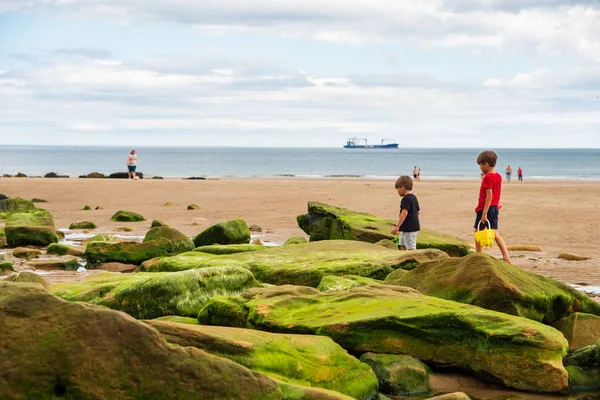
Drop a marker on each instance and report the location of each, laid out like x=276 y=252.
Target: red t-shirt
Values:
x=490 y=181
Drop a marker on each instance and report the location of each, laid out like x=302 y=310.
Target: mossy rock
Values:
x=6 y=266
x=102 y=237
x=387 y=243
x=332 y=283
x=16 y=205
x=397 y=374
x=399 y=320
x=97 y=253
x=486 y=282
x=451 y=396
x=583 y=357
x=581 y=379
x=229 y=248
x=299 y=392
x=234 y=231
x=153 y=295
x=86 y=208
x=326 y=222
x=63 y=249
x=579 y=329
x=573 y=257
x=304 y=264
x=181 y=243
x=83 y=351
x=157 y=222
x=127 y=216
x=125 y=229
x=66 y=263
x=224 y=310
x=26 y=253
x=193 y=207
x=27 y=277
x=254 y=228
x=34 y=228
x=295 y=240
x=307 y=360
x=83 y=225
x=36 y=200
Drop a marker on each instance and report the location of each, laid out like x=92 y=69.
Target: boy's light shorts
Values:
x=408 y=240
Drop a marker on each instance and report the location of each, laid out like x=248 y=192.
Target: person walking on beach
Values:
x=131 y=164
x=419 y=174
x=415 y=173
x=508 y=173
x=489 y=199
x=408 y=222
x=520 y=174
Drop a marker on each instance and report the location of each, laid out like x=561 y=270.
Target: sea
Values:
x=242 y=162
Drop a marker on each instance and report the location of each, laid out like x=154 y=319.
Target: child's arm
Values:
x=486 y=207
x=401 y=219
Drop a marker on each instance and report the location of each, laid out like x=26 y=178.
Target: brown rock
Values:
x=118 y=267
x=26 y=253
x=452 y=396
x=572 y=257
x=579 y=329
x=524 y=247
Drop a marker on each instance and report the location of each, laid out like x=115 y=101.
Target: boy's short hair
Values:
x=404 y=181
x=487 y=156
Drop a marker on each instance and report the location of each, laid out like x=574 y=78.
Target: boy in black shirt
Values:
x=408 y=221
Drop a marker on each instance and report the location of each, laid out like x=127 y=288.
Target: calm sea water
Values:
x=583 y=164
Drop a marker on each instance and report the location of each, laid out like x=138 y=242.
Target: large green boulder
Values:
x=55 y=349
x=518 y=352
x=234 y=231
x=181 y=243
x=127 y=216
x=301 y=359
x=486 y=282
x=97 y=253
x=332 y=283
x=230 y=248
x=34 y=228
x=15 y=205
x=146 y=295
x=398 y=374
x=303 y=264
x=326 y=222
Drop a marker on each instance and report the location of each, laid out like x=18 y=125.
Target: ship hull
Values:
x=377 y=146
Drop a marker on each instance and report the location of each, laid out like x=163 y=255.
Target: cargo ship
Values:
x=361 y=143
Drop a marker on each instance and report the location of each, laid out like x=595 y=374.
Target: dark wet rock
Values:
x=124 y=175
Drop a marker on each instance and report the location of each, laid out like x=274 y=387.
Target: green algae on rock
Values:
x=83 y=225
x=27 y=277
x=387 y=243
x=153 y=295
x=295 y=240
x=300 y=359
x=127 y=216
x=332 y=283
x=234 y=231
x=518 y=352
x=67 y=263
x=181 y=243
x=102 y=237
x=83 y=351
x=229 y=248
x=97 y=253
x=6 y=266
x=16 y=205
x=33 y=228
x=326 y=222
x=581 y=379
x=63 y=249
x=486 y=282
x=304 y=264
x=157 y=222
x=398 y=374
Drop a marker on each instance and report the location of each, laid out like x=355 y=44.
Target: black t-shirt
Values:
x=410 y=204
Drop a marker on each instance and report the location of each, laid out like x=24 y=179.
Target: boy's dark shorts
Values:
x=492 y=216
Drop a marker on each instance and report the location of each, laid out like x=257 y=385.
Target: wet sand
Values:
x=557 y=216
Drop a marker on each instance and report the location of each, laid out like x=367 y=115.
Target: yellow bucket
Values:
x=485 y=237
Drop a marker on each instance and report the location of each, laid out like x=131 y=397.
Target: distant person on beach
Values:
x=408 y=222
x=489 y=199
x=520 y=174
x=419 y=174
x=415 y=173
x=131 y=164
x=508 y=173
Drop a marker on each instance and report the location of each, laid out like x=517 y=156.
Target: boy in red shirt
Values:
x=489 y=198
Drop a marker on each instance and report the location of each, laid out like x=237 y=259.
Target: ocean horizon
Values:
x=271 y=162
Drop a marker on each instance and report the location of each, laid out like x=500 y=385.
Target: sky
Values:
x=426 y=73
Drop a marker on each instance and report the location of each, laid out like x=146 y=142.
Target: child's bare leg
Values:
x=478 y=246
x=402 y=247
x=502 y=247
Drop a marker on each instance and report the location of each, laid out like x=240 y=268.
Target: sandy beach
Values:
x=557 y=216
